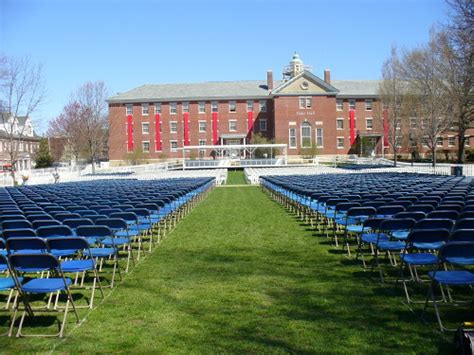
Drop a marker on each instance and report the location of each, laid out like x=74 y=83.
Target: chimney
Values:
x=327 y=76
x=270 y=80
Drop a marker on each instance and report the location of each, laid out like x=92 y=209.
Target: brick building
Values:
x=302 y=111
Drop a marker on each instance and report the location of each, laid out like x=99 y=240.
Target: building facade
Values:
x=303 y=111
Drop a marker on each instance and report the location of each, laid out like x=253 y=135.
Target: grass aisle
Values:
x=240 y=274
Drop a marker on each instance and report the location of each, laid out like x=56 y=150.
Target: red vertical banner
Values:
x=352 y=126
x=250 y=123
x=130 y=133
x=186 y=127
x=215 y=133
x=157 y=132
x=385 y=127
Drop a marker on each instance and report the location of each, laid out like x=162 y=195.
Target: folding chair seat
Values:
x=83 y=262
x=396 y=230
x=419 y=253
x=460 y=256
x=39 y=285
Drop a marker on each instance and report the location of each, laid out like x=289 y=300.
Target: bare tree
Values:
x=392 y=91
x=456 y=45
x=21 y=92
x=91 y=97
x=427 y=86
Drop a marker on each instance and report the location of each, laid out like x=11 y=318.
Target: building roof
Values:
x=252 y=89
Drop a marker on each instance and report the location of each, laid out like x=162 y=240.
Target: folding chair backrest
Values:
x=43 y=261
x=426 y=208
x=45 y=222
x=76 y=222
x=431 y=223
x=16 y=245
x=361 y=211
x=458 y=253
x=443 y=214
x=140 y=212
x=63 y=216
x=346 y=206
x=428 y=236
x=54 y=231
x=396 y=224
x=373 y=223
x=390 y=210
x=127 y=216
x=18 y=233
x=68 y=243
x=462 y=235
x=16 y=224
x=113 y=223
x=94 y=231
x=417 y=216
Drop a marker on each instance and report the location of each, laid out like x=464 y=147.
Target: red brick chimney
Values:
x=327 y=76
x=270 y=80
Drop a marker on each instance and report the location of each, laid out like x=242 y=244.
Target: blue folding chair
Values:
x=53 y=285
x=458 y=255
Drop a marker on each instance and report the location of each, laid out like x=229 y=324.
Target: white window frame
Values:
x=157 y=107
x=250 y=105
x=214 y=106
x=205 y=126
x=339 y=119
x=352 y=106
x=143 y=147
x=145 y=124
x=173 y=108
x=305 y=102
x=367 y=120
x=341 y=106
x=453 y=138
x=202 y=107
x=369 y=103
x=263 y=125
x=129 y=109
x=175 y=123
x=232 y=104
x=185 y=106
x=316 y=131
x=343 y=142
x=306 y=125
x=171 y=145
x=292 y=129
x=438 y=139
x=263 y=105
x=231 y=123
x=145 y=109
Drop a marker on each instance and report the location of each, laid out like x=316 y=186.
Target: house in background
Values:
x=17 y=135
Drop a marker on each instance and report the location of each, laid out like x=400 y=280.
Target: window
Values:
x=292 y=135
x=202 y=126
x=398 y=141
x=214 y=106
x=145 y=128
x=202 y=152
x=232 y=125
x=340 y=142
x=202 y=107
x=232 y=106
x=129 y=109
x=202 y=142
x=173 y=108
x=368 y=105
x=305 y=135
x=158 y=107
x=305 y=102
x=339 y=104
x=352 y=104
x=146 y=147
x=249 y=106
x=173 y=127
x=451 y=141
x=369 y=123
x=144 y=109
x=263 y=125
x=439 y=141
x=466 y=141
x=319 y=138
x=174 y=146
x=340 y=123
x=263 y=106
x=185 y=106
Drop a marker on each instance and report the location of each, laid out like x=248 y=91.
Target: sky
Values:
x=130 y=43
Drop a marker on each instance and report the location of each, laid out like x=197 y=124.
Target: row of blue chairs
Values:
x=51 y=231
x=416 y=221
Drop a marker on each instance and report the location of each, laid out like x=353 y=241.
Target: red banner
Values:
x=385 y=127
x=186 y=127
x=157 y=133
x=250 y=124
x=352 y=126
x=215 y=128
x=130 y=132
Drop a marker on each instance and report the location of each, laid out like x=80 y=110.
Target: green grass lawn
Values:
x=236 y=178
x=240 y=274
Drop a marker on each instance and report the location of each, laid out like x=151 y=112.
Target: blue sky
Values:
x=130 y=43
